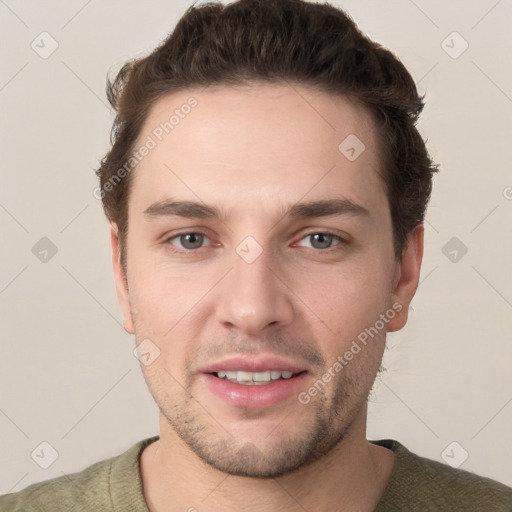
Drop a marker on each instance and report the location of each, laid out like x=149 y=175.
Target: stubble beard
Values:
x=212 y=443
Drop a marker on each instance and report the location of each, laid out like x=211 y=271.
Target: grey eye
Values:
x=321 y=240
x=191 y=240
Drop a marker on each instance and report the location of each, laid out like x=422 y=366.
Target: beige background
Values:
x=67 y=371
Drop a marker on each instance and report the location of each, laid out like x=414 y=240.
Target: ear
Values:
x=407 y=276
x=121 y=281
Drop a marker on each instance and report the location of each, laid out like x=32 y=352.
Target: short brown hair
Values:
x=275 y=41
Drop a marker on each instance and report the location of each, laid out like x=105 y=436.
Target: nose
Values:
x=254 y=296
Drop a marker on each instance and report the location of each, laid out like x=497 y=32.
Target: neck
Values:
x=352 y=477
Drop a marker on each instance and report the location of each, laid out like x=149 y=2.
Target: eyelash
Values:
x=341 y=241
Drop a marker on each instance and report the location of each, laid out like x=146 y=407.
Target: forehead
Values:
x=257 y=142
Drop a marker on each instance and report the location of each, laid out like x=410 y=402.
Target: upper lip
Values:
x=258 y=363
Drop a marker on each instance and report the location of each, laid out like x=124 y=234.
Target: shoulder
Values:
x=89 y=488
x=418 y=483
x=98 y=487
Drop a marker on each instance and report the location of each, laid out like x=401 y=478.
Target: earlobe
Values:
x=407 y=277
x=121 y=280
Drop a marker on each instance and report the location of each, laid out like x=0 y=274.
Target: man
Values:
x=266 y=190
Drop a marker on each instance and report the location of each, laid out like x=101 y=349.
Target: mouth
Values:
x=253 y=382
x=260 y=378
x=254 y=390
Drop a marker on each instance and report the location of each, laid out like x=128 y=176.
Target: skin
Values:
x=252 y=152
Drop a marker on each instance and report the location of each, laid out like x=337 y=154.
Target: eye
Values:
x=321 y=240
x=188 y=241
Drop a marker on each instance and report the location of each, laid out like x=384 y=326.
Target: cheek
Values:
x=161 y=294
x=166 y=301
x=151 y=306
x=347 y=298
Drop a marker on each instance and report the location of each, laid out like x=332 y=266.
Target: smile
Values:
x=254 y=378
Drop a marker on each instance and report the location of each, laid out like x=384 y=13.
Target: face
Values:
x=258 y=253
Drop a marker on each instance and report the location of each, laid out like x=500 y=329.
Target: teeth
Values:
x=244 y=376
x=261 y=376
x=254 y=378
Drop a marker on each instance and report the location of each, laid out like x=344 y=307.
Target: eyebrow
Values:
x=326 y=208
x=309 y=209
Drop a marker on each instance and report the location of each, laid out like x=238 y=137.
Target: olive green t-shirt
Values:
x=417 y=484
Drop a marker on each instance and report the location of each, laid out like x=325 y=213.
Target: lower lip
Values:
x=254 y=396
